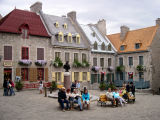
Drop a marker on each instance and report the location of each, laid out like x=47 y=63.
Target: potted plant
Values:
x=85 y=64
x=76 y=64
x=19 y=86
x=41 y=62
x=95 y=68
x=57 y=62
x=25 y=62
x=103 y=86
x=53 y=86
x=120 y=68
x=139 y=67
x=110 y=68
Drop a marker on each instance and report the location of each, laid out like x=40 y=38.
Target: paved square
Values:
x=29 y=105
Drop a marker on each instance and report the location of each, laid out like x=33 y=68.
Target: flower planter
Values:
x=25 y=62
x=95 y=68
x=120 y=69
x=76 y=64
x=40 y=62
x=57 y=63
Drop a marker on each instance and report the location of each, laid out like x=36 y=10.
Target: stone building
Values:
x=24 y=43
x=137 y=56
x=102 y=53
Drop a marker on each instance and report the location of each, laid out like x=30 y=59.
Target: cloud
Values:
x=133 y=13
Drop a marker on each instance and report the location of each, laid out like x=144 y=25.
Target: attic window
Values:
x=103 y=46
x=122 y=47
x=24 y=29
x=109 y=47
x=137 y=45
x=95 y=45
x=93 y=34
x=65 y=26
x=69 y=38
x=60 y=37
x=78 y=39
x=56 y=24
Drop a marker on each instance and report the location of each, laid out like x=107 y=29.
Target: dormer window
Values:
x=93 y=34
x=78 y=39
x=24 y=29
x=122 y=47
x=95 y=45
x=109 y=47
x=137 y=45
x=69 y=38
x=60 y=37
x=56 y=24
x=65 y=26
x=103 y=46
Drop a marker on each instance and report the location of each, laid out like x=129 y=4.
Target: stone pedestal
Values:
x=67 y=81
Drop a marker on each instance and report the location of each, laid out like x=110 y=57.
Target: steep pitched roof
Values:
x=11 y=23
x=143 y=36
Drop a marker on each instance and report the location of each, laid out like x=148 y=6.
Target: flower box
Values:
x=57 y=62
x=95 y=68
x=41 y=62
x=25 y=62
x=76 y=64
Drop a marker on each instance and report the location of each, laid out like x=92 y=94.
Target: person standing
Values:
x=41 y=87
x=11 y=87
x=5 y=86
x=127 y=87
x=132 y=87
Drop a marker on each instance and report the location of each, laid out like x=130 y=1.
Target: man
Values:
x=127 y=87
x=62 y=98
x=110 y=97
x=73 y=86
x=132 y=87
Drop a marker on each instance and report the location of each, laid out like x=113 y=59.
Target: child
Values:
x=40 y=87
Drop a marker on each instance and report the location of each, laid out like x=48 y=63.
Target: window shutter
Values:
x=62 y=76
x=40 y=53
x=53 y=76
x=72 y=76
x=18 y=72
x=7 y=52
x=46 y=74
x=80 y=76
x=88 y=76
x=31 y=74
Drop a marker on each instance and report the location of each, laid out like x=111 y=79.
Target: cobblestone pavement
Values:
x=29 y=105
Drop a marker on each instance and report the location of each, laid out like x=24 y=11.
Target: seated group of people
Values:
x=73 y=97
x=120 y=96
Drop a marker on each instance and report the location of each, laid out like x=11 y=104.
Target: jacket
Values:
x=85 y=96
x=61 y=95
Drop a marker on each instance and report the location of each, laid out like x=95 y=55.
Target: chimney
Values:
x=101 y=25
x=158 y=21
x=36 y=7
x=124 y=31
x=1 y=17
x=72 y=15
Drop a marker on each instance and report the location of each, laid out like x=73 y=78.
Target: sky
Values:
x=135 y=14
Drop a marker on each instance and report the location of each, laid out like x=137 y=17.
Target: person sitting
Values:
x=127 y=87
x=62 y=98
x=124 y=93
x=120 y=99
x=86 y=98
x=132 y=87
x=110 y=97
x=75 y=98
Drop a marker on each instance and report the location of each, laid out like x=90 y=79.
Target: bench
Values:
x=103 y=101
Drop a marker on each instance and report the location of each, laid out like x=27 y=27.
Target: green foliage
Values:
x=103 y=86
x=53 y=86
x=111 y=85
x=57 y=62
x=85 y=64
x=19 y=86
x=76 y=64
x=120 y=68
x=139 y=67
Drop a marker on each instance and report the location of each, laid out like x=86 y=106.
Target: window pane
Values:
x=109 y=62
x=140 y=60
x=130 y=61
x=94 y=61
x=66 y=56
x=40 y=73
x=25 y=53
x=7 y=52
x=84 y=57
x=120 y=61
x=102 y=62
x=76 y=76
x=58 y=77
x=95 y=45
x=40 y=53
x=57 y=54
x=24 y=74
x=84 y=75
x=75 y=56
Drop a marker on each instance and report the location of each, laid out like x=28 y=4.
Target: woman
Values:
x=11 y=86
x=86 y=98
x=40 y=87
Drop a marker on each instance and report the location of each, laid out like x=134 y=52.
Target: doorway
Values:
x=7 y=73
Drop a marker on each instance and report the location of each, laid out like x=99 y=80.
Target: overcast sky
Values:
x=133 y=13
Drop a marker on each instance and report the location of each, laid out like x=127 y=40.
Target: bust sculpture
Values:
x=66 y=67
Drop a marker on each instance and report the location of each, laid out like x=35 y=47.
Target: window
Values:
x=58 y=76
x=56 y=24
x=75 y=56
x=121 y=76
x=24 y=74
x=76 y=76
x=109 y=47
x=137 y=45
x=7 y=52
x=141 y=75
x=69 y=38
x=95 y=46
x=66 y=56
x=57 y=54
x=25 y=53
x=109 y=62
x=94 y=61
x=60 y=37
x=93 y=34
x=40 y=53
x=78 y=39
x=103 y=46
x=25 y=33
x=65 y=26
x=84 y=57
x=120 y=61
x=122 y=47
x=140 y=60
x=40 y=73
x=130 y=59
x=102 y=62
x=84 y=75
